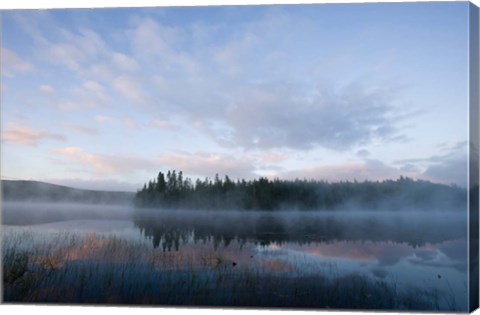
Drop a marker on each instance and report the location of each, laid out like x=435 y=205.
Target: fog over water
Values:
x=413 y=249
x=412 y=227
x=30 y=213
x=431 y=226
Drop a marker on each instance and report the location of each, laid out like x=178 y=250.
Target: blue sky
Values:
x=106 y=98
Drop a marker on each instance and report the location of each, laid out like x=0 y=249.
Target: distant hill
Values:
x=24 y=190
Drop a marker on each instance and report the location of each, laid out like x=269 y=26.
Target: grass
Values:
x=100 y=269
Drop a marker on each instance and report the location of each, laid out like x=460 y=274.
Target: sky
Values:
x=107 y=98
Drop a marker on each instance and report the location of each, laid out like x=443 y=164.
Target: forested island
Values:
x=174 y=191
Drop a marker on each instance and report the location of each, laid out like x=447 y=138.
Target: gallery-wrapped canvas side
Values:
x=473 y=164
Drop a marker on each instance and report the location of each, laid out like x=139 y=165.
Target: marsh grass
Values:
x=105 y=269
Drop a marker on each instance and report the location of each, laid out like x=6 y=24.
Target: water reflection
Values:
x=169 y=229
x=248 y=255
x=427 y=251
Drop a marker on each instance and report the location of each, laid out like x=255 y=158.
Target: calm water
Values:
x=411 y=252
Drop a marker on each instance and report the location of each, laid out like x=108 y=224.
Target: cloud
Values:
x=449 y=171
x=449 y=167
x=131 y=123
x=68 y=151
x=283 y=114
x=130 y=88
x=86 y=96
x=446 y=170
x=96 y=184
x=241 y=97
x=67 y=106
x=46 y=89
x=88 y=41
x=78 y=49
x=81 y=129
x=363 y=153
x=161 y=47
x=65 y=54
x=241 y=90
x=124 y=63
x=207 y=164
x=32 y=22
x=160 y=83
x=150 y=39
x=199 y=164
x=100 y=71
x=276 y=115
x=360 y=171
x=229 y=56
x=410 y=168
x=23 y=135
x=75 y=50
x=89 y=95
x=84 y=52
x=106 y=164
x=273 y=157
x=12 y=64
x=162 y=124
x=95 y=88
x=104 y=119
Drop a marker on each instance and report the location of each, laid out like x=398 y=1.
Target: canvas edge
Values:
x=473 y=163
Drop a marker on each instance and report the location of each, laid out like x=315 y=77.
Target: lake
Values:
x=70 y=253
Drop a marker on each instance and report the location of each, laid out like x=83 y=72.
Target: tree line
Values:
x=175 y=191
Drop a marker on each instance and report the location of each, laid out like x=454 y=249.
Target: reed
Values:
x=105 y=269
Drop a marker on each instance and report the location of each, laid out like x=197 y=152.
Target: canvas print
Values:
x=320 y=156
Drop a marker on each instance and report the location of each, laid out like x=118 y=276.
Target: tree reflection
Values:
x=170 y=229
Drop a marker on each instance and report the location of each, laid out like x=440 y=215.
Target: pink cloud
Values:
x=12 y=64
x=103 y=164
x=273 y=157
x=68 y=151
x=162 y=124
x=23 y=135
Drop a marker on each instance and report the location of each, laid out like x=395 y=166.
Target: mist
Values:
x=239 y=250
x=32 y=191
x=31 y=213
x=262 y=227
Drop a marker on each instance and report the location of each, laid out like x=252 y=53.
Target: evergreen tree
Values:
x=175 y=191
